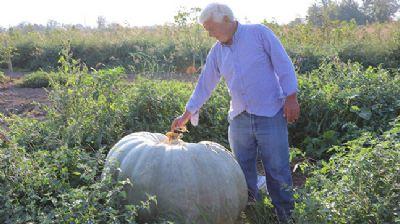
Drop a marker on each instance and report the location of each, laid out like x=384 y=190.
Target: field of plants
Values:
x=102 y=84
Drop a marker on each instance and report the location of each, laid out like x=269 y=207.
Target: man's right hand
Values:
x=180 y=121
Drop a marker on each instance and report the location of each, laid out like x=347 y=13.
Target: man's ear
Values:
x=226 y=19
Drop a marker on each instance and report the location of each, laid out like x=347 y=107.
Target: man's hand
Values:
x=291 y=109
x=180 y=121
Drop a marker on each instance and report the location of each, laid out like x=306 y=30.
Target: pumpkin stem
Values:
x=177 y=134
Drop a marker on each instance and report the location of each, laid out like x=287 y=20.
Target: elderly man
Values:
x=262 y=84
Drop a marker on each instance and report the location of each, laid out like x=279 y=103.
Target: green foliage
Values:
x=341 y=99
x=86 y=110
x=7 y=52
x=380 y=11
x=97 y=108
x=370 y=11
x=190 y=34
x=40 y=79
x=359 y=184
x=62 y=185
x=174 y=47
x=154 y=105
x=395 y=50
x=2 y=77
x=36 y=80
x=32 y=134
x=260 y=213
x=51 y=168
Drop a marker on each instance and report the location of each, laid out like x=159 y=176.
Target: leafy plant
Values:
x=40 y=79
x=359 y=183
x=2 y=77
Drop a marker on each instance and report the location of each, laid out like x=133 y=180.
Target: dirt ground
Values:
x=21 y=101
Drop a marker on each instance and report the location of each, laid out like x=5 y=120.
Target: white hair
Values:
x=216 y=12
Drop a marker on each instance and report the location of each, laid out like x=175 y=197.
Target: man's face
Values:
x=218 y=30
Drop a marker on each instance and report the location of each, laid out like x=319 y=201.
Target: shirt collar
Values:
x=235 y=35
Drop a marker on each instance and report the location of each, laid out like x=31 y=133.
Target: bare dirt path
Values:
x=20 y=101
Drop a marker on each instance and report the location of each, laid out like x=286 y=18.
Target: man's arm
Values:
x=281 y=62
x=284 y=69
x=206 y=83
x=208 y=80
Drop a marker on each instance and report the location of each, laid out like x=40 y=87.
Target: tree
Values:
x=101 y=22
x=191 y=34
x=296 y=21
x=7 y=52
x=380 y=10
x=52 y=24
x=348 y=10
x=322 y=12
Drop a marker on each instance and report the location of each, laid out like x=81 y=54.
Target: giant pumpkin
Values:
x=193 y=182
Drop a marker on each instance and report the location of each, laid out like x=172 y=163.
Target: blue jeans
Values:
x=250 y=134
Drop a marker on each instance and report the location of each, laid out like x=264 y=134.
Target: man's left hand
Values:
x=291 y=109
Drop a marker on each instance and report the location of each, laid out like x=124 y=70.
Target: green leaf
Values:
x=354 y=108
x=352 y=96
x=365 y=113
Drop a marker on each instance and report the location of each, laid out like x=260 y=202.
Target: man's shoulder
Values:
x=265 y=32
x=256 y=29
x=254 y=26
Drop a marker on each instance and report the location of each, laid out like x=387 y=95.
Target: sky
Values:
x=140 y=13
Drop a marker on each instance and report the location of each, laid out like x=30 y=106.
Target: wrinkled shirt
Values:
x=256 y=68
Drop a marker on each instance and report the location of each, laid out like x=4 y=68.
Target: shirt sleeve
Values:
x=280 y=60
x=208 y=80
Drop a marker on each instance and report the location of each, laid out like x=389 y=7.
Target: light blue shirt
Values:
x=256 y=68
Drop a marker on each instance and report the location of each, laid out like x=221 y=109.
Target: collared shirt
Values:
x=256 y=68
